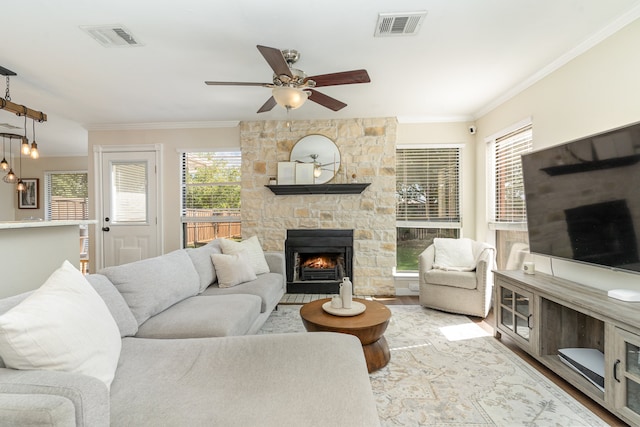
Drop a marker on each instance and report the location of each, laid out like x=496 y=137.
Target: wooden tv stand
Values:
x=542 y=314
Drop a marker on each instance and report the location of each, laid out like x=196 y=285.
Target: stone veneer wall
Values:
x=367 y=147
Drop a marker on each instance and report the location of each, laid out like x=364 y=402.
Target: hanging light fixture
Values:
x=10 y=178
x=24 y=148
x=4 y=164
x=21 y=187
x=34 y=146
x=289 y=97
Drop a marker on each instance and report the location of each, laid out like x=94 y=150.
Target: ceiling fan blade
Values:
x=268 y=106
x=343 y=78
x=326 y=101
x=238 y=84
x=276 y=60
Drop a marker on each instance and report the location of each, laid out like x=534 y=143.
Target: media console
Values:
x=546 y=316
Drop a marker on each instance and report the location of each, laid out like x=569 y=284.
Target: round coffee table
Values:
x=369 y=327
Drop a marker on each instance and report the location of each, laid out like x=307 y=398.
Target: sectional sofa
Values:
x=183 y=353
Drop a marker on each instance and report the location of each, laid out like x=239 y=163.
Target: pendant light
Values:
x=10 y=178
x=4 y=164
x=21 y=187
x=34 y=146
x=24 y=148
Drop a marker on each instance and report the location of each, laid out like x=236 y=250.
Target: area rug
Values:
x=447 y=371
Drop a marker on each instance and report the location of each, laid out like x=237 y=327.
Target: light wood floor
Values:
x=487 y=324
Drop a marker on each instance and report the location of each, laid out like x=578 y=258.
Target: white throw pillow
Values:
x=62 y=326
x=232 y=269
x=254 y=252
x=454 y=254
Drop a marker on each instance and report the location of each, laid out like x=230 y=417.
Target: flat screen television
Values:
x=583 y=199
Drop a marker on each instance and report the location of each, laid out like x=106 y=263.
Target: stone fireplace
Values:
x=368 y=151
x=317 y=260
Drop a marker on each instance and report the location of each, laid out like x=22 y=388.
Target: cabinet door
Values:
x=626 y=374
x=515 y=312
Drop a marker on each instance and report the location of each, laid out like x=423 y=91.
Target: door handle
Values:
x=105 y=228
x=615 y=370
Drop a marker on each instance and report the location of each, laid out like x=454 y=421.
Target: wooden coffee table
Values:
x=369 y=327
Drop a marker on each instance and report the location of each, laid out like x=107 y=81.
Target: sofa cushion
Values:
x=116 y=304
x=233 y=269
x=454 y=254
x=254 y=252
x=259 y=380
x=269 y=287
x=152 y=285
x=201 y=258
x=62 y=326
x=204 y=316
x=455 y=279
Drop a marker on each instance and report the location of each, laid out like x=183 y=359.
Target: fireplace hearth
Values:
x=317 y=260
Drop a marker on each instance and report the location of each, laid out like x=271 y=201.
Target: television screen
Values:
x=583 y=199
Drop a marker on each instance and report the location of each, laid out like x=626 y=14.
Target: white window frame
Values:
x=47 y=190
x=491 y=177
x=204 y=219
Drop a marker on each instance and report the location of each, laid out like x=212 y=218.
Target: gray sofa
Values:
x=188 y=358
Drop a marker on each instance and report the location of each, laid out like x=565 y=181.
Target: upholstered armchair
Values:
x=465 y=288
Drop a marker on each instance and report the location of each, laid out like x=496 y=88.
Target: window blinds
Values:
x=211 y=186
x=509 y=206
x=427 y=184
x=66 y=196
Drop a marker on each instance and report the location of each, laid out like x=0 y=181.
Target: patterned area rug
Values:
x=447 y=371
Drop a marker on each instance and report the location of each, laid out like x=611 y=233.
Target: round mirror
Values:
x=319 y=151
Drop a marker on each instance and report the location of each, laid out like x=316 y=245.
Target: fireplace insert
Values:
x=317 y=260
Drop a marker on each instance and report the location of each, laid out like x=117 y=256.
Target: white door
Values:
x=129 y=207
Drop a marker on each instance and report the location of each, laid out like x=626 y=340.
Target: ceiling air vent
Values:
x=111 y=35
x=399 y=24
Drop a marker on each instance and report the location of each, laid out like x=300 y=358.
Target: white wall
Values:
x=594 y=92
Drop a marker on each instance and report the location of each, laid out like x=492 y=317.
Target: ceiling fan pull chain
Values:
x=7 y=95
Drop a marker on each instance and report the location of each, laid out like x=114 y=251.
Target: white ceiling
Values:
x=468 y=56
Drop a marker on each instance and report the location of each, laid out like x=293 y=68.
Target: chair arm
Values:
x=36 y=410
x=485 y=265
x=425 y=261
x=88 y=395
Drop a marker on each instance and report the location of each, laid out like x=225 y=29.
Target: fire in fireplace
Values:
x=317 y=260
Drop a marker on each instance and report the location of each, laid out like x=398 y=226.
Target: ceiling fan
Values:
x=292 y=87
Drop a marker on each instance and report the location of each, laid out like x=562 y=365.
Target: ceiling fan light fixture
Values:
x=289 y=97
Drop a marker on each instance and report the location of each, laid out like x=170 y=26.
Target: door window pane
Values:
x=129 y=192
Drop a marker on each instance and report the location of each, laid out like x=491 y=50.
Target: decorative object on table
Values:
x=28 y=198
x=336 y=301
x=356 y=308
x=286 y=173
x=346 y=292
x=320 y=152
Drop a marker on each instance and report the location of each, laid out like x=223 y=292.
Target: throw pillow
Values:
x=454 y=254
x=232 y=269
x=253 y=249
x=62 y=326
x=201 y=258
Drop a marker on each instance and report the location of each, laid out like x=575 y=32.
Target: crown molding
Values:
x=167 y=125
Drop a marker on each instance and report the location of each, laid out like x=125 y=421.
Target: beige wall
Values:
x=594 y=92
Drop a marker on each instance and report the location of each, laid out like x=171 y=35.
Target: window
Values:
x=427 y=199
x=210 y=196
x=66 y=196
x=509 y=214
